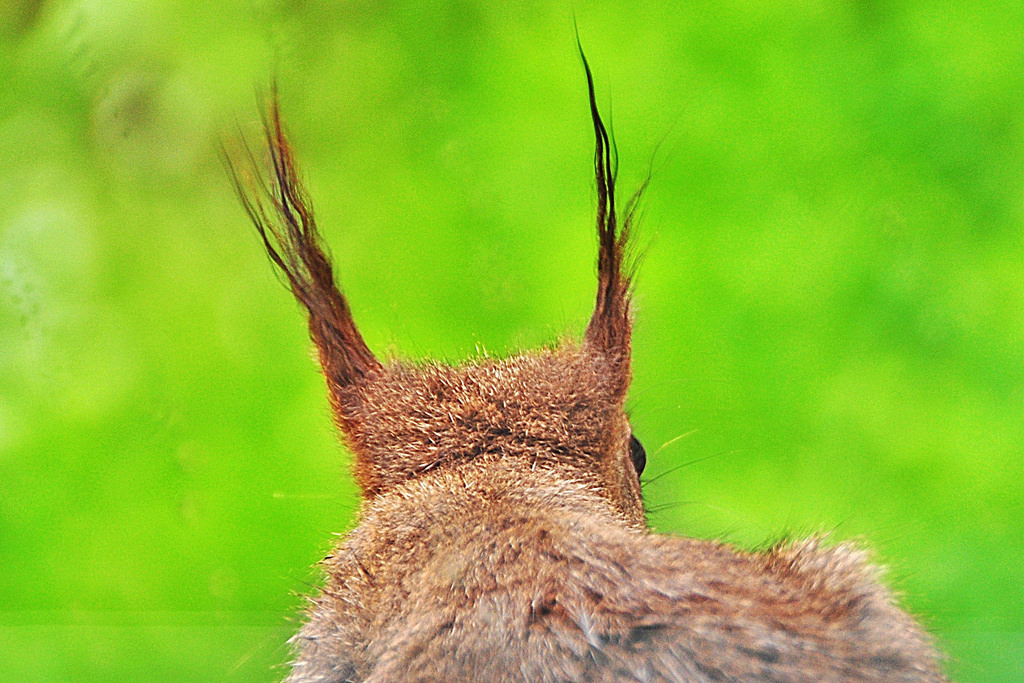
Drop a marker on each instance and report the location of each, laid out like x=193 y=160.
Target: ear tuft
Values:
x=278 y=206
x=610 y=326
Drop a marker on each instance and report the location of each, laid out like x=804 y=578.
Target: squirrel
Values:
x=502 y=534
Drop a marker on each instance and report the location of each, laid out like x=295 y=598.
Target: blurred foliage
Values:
x=830 y=304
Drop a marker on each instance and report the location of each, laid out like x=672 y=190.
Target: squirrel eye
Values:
x=638 y=454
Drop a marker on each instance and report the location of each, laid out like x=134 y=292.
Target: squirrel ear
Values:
x=610 y=325
x=278 y=206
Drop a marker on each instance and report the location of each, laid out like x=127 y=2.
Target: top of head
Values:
x=561 y=409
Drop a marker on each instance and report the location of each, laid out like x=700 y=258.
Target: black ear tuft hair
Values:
x=610 y=326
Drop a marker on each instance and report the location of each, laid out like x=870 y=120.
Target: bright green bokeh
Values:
x=830 y=304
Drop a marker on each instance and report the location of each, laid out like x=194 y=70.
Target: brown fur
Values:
x=502 y=533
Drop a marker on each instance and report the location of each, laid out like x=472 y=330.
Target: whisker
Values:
x=692 y=462
x=671 y=505
x=281 y=495
x=673 y=440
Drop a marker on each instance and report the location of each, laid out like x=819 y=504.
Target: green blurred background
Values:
x=830 y=305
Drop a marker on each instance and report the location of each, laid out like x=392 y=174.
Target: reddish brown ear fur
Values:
x=610 y=326
x=290 y=236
